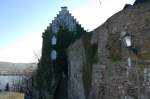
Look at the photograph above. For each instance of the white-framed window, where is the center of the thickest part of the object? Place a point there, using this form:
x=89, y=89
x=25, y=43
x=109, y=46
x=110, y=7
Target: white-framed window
x=53, y=55
x=53, y=40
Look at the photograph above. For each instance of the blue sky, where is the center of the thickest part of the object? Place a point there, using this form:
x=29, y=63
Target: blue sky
x=23, y=21
x=18, y=18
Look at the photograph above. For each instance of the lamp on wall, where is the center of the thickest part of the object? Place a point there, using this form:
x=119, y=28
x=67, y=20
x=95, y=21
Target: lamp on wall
x=127, y=40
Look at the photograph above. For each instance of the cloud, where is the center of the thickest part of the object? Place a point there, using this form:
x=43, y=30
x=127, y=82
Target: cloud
x=93, y=14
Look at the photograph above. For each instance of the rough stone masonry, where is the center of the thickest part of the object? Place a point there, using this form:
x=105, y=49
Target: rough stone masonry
x=109, y=73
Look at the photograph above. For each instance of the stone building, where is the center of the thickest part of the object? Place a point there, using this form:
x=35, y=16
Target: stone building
x=96, y=65
x=53, y=65
x=110, y=75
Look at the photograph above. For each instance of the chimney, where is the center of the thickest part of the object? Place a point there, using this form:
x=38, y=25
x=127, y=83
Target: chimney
x=64, y=8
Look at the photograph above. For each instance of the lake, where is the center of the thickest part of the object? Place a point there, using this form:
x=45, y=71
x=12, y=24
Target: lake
x=11, y=80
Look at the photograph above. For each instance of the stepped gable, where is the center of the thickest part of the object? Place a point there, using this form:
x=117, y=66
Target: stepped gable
x=63, y=19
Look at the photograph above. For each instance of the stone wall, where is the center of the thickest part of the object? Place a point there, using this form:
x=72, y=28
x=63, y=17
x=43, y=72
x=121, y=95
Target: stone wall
x=112, y=78
x=134, y=19
x=76, y=57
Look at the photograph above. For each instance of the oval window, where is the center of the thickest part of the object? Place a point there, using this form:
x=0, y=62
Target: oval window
x=53, y=55
x=54, y=40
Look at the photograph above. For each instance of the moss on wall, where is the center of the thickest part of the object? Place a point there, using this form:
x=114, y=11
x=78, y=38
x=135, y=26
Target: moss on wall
x=114, y=47
x=91, y=57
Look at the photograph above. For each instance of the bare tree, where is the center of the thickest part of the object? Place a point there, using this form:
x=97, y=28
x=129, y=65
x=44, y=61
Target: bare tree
x=37, y=55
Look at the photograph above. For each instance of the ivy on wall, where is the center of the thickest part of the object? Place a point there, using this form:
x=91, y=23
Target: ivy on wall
x=91, y=57
x=44, y=73
x=114, y=47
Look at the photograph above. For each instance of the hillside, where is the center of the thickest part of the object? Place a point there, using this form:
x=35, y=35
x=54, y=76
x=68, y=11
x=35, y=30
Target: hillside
x=16, y=67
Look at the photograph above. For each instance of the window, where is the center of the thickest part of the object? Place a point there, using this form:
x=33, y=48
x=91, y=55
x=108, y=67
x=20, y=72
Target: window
x=53, y=55
x=53, y=40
